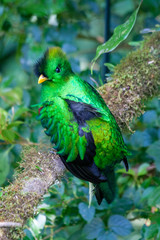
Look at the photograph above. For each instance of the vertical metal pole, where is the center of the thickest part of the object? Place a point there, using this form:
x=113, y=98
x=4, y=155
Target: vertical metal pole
x=106, y=36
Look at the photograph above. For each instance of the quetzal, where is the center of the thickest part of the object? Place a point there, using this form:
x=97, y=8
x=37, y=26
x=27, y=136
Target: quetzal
x=82, y=128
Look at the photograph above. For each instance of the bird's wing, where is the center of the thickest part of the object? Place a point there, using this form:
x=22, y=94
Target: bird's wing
x=72, y=137
x=110, y=147
x=65, y=122
x=60, y=125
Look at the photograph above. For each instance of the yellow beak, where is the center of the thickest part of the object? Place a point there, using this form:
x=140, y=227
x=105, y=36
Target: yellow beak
x=42, y=79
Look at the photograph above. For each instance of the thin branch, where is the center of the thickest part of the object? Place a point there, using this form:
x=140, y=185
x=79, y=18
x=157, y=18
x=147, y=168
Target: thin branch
x=10, y=224
x=98, y=39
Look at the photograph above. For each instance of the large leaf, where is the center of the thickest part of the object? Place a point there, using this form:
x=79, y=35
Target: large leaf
x=20, y=112
x=120, y=225
x=147, y=192
x=154, y=198
x=94, y=228
x=140, y=139
x=107, y=236
x=86, y=212
x=120, y=34
x=77, y=235
x=36, y=225
x=120, y=206
x=151, y=231
x=8, y=135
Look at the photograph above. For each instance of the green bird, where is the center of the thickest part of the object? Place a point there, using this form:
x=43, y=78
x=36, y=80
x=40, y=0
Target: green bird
x=82, y=128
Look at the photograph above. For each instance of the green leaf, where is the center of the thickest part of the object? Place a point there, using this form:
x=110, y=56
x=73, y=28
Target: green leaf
x=154, y=152
x=20, y=112
x=77, y=235
x=14, y=124
x=150, y=118
x=4, y=166
x=57, y=189
x=27, y=238
x=140, y=139
x=142, y=170
x=12, y=96
x=3, y=117
x=50, y=216
x=130, y=172
x=135, y=43
x=28, y=234
x=36, y=225
x=66, y=220
x=73, y=229
x=86, y=212
x=147, y=192
x=120, y=206
x=120, y=34
x=110, y=66
x=107, y=236
x=41, y=220
x=92, y=229
x=45, y=206
x=151, y=231
x=8, y=135
x=154, y=198
x=120, y=225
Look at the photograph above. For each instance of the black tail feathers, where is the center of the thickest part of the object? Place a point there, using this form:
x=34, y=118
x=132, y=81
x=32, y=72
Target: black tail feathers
x=125, y=163
x=106, y=189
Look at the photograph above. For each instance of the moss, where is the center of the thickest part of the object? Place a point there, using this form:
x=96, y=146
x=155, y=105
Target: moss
x=135, y=80
x=19, y=200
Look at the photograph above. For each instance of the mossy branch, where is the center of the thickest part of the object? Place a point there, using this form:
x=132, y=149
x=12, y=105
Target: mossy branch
x=37, y=171
x=135, y=80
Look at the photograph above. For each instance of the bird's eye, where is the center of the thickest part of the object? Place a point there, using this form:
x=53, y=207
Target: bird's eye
x=58, y=69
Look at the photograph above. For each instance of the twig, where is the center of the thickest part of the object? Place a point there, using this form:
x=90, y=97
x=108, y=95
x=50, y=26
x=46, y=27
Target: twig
x=98, y=39
x=9, y=224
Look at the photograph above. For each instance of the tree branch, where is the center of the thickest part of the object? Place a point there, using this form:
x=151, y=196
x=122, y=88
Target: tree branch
x=135, y=80
x=9, y=224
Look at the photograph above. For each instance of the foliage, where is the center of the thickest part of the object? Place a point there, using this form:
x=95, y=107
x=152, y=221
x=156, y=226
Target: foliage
x=121, y=32
x=26, y=30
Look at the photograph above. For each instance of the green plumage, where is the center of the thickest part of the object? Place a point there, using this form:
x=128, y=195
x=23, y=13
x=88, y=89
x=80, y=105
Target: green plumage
x=80, y=124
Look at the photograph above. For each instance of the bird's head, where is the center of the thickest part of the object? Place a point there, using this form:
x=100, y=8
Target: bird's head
x=53, y=66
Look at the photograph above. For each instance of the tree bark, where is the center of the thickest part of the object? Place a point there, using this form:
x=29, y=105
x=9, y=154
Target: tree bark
x=135, y=80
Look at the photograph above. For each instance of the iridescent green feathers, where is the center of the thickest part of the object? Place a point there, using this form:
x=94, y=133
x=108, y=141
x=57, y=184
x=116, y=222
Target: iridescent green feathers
x=81, y=126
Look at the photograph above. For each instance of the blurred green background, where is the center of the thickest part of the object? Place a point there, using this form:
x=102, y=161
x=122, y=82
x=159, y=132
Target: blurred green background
x=27, y=29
